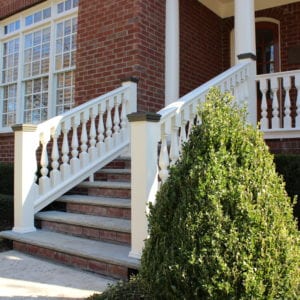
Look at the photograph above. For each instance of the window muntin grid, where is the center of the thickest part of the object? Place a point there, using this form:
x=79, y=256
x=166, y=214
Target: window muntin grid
x=9, y=105
x=65, y=92
x=66, y=5
x=36, y=100
x=28, y=53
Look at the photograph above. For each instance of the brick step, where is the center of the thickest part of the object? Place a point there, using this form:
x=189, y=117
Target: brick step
x=91, y=227
x=97, y=206
x=114, y=189
x=122, y=162
x=113, y=175
x=96, y=256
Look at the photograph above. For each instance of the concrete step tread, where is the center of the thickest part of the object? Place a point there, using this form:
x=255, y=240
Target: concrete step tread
x=96, y=200
x=105, y=184
x=112, y=224
x=89, y=249
x=114, y=171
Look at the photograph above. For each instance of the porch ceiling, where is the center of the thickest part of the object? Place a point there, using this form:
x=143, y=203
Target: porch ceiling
x=225, y=8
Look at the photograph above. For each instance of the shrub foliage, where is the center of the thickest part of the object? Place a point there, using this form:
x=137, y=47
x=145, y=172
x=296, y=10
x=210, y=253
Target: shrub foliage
x=222, y=226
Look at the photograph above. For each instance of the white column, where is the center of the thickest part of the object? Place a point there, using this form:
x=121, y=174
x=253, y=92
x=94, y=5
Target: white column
x=245, y=47
x=172, y=52
x=25, y=166
x=144, y=175
x=244, y=26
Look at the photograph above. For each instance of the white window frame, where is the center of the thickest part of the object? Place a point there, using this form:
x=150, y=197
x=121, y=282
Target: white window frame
x=20, y=33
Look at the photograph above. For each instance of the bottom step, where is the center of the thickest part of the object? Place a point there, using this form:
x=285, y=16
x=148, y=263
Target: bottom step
x=99, y=257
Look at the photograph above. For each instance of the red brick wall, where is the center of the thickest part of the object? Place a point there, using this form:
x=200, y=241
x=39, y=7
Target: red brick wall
x=6, y=147
x=200, y=45
x=10, y=7
x=118, y=40
x=286, y=146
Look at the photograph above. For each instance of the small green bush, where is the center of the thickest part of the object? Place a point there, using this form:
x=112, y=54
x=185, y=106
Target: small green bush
x=6, y=178
x=222, y=226
x=135, y=289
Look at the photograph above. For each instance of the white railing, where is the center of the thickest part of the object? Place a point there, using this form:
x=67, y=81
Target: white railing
x=151, y=161
x=279, y=104
x=69, y=148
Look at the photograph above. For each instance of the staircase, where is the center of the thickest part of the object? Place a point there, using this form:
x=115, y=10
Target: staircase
x=88, y=228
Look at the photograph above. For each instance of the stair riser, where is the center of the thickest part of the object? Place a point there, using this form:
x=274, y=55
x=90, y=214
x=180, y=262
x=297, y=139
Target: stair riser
x=112, y=177
x=102, y=211
x=102, y=268
x=87, y=232
x=105, y=192
x=119, y=164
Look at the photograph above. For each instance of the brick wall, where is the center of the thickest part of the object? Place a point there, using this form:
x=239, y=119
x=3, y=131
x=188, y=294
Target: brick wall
x=10, y=7
x=6, y=147
x=200, y=45
x=117, y=40
x=286, y=146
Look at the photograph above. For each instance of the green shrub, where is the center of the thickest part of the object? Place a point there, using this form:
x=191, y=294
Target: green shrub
x=135, y=289
x=222, y=226
x=6, y=178
x=288, y=165
x=6, y=212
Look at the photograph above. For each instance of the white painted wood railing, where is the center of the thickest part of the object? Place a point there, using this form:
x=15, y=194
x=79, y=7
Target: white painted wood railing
x=170, y=131
x=279, y=104
x=70, y=148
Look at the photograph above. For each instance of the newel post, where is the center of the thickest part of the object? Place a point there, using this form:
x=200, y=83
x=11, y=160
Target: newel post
x=25, y=167
x=144, y=174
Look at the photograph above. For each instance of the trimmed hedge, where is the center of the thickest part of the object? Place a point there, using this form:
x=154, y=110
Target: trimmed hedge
x=6, y=178
x=222, y=226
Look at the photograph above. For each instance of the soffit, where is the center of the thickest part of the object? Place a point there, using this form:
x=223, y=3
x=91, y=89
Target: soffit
x=225, y=8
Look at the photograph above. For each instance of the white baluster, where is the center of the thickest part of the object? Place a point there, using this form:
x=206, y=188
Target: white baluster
x=124, y=122
x=297, y=85
x=275, y=104
x=108, y=139
x=174, y=149
x=287, y=120
x=116, y=134
x=264, y=88
x=55, y=174
x=75, y=162
x=101, y=130
x=93, y=133
x=44, y=181
x=65, y=167
x=164, y=161
x=83, y=156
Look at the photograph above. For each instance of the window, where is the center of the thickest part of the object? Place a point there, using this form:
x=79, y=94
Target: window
x=37, y=61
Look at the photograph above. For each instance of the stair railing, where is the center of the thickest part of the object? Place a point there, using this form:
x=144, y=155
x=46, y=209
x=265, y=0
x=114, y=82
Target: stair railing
x=54, y=156
x=157, y=140
x=279, y=104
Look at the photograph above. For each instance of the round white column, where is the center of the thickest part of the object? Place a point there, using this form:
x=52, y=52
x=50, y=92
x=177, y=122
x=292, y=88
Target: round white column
x=244, y=26
x=172, y=52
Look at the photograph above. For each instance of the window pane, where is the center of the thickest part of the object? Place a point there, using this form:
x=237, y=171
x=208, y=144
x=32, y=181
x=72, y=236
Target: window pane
x=66, y=32
x=9, y=105
x=64, y=92
x=10, y=61
x=36, y=100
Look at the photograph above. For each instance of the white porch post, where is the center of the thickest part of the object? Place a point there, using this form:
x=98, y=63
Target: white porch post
x=172, y=52
x=245, y=47
x=144, y=174
x=25, y=166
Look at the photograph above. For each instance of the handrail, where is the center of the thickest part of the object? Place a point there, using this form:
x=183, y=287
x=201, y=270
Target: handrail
x=69, y=148
x=178, y=118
